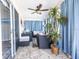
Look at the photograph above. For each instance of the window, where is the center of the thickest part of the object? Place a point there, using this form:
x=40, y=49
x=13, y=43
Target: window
x=33, y=25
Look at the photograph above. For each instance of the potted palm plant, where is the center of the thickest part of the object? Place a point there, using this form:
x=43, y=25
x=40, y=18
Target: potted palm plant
x=53, y=34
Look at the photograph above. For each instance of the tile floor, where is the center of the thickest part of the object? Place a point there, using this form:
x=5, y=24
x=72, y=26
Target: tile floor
x=35, y=53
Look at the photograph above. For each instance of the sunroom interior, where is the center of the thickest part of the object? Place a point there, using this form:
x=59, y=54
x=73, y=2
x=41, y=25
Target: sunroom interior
x=28, y=29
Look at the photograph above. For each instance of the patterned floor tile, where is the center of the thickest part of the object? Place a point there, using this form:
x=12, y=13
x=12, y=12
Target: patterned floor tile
x=35, y=53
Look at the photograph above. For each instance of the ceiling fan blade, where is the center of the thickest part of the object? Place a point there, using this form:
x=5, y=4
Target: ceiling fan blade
x=31, y=9
x=33, y=12
x=44, y=10
x=36, y=12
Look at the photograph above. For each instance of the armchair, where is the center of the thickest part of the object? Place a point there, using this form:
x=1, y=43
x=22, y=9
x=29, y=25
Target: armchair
x=43, y=42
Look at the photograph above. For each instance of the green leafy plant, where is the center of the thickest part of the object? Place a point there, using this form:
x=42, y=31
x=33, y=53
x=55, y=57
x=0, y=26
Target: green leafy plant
x=53, y=12
x=62, y=19
x=53, y=27
x=49, y=27
x=54, y=35
x=58, y=19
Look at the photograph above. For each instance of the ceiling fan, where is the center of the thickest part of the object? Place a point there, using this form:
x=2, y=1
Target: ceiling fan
x=38, y=9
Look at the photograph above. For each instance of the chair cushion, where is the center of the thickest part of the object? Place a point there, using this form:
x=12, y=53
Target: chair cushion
x=25, y=38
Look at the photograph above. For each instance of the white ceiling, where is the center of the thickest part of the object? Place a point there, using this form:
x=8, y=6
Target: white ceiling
x=23, y=5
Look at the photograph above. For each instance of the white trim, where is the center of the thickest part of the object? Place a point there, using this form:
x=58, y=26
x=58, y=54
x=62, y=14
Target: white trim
x=12, y=23
x=14, y=31
x=11, y=30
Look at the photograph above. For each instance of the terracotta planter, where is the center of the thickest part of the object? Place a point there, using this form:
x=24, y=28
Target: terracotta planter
x=54, y=49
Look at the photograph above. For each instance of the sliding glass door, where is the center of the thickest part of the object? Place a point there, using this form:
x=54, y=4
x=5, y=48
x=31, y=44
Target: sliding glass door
x=5, y=31
x=8, y=31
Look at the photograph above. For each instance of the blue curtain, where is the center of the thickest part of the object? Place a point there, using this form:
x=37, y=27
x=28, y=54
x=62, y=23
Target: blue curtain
x=70, y=25
x=39, y=26
x=27, y=25
x=76, y=26
x=34, y=25
x=64, y=28
x=70, y=39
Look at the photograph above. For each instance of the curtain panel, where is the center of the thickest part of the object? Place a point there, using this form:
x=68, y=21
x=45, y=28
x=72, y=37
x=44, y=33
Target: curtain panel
x=34, y=25
x=70, y=40
x=76, y=29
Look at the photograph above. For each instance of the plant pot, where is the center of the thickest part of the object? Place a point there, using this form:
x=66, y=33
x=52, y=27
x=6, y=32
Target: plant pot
x=54, y=49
